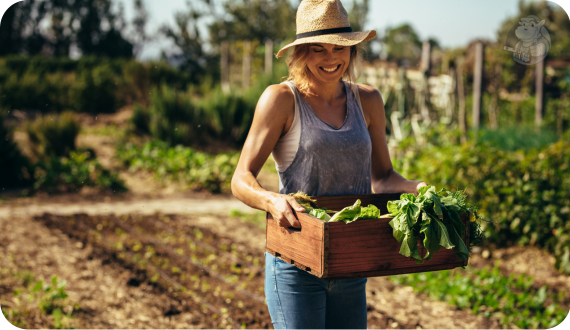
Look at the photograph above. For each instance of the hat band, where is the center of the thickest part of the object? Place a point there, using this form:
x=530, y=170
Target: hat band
x=325, y=31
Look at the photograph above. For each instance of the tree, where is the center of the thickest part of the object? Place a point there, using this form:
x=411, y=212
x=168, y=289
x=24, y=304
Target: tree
x=51, y=27
x=252, y=20
x=190, y=54
x=403, y=45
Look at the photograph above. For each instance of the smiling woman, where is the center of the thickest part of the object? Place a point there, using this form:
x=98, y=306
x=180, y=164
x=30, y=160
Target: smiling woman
x=328, y=137
x=299, y=70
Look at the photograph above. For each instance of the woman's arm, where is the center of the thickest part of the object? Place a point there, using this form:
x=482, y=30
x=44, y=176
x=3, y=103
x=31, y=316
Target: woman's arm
x=273, y=113
x=384, y=178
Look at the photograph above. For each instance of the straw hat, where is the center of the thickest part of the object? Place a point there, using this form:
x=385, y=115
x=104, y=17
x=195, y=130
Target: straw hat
x=325, y=21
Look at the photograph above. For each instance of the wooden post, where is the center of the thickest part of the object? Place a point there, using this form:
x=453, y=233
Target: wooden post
x=268, y=56
x=224, y=67
x=425, y=63
x=539, y=93
x=461, y=99
x=246, y=68
x=424, y=90
x=494, y=107
x=477, y=84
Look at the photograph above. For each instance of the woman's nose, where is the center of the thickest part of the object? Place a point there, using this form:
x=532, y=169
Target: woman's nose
x=330, y=57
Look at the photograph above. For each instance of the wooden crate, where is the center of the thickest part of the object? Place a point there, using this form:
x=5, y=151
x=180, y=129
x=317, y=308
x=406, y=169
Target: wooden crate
x=364, y=248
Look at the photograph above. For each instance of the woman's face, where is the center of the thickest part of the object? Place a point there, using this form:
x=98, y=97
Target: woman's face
x=328, y=62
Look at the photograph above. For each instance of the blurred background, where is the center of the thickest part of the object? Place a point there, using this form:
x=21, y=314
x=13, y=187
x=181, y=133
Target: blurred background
x=110, y=99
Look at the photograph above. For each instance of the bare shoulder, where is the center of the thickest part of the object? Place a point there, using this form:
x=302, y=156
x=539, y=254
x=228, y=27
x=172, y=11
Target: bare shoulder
x=369, y=94
x=277, y=99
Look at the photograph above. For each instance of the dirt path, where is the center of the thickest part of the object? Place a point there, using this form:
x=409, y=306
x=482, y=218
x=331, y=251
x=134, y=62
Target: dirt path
x=216, y=205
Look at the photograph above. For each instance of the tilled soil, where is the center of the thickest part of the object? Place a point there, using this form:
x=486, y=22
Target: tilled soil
x=117, y=291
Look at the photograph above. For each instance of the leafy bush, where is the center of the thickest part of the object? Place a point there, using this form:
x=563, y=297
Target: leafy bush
x=186, y=118
x=62, y=174
x=53, y=135
x=13, y=165
x=171, y=117
x=94, y=90
x=196, y=169
x=516, y=138
x=525, y=193
x=511, y=299
x=89, y=84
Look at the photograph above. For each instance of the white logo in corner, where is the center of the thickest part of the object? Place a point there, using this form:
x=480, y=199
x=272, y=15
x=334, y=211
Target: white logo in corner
x=529, y=42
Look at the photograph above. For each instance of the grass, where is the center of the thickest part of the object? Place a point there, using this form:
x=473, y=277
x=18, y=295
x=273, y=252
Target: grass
x=511, y=299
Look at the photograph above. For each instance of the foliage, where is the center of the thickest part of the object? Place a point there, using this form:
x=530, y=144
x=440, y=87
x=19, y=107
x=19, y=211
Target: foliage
x=512, y=299
x=35, y=300
x=439, y=226
x=185, y=118
x=274, y=20
x=525, y=193
x=95, y=27
x=62, y=174
x=89, y=84
x=52, y=135
x=197, y=170
x=13, y=165
x=517, y=138
x=403, y=45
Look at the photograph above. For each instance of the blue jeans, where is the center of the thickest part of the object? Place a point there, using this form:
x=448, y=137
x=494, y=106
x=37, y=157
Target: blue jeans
x=300, y=300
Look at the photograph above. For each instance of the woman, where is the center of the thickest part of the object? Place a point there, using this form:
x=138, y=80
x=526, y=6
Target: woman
x=327, y=136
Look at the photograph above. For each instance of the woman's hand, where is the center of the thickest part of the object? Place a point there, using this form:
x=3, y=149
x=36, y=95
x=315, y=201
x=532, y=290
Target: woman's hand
x=418, y=186
x=281, y=206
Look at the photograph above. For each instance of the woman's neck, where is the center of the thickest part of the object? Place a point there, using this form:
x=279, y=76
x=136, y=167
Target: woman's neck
x=328, y=92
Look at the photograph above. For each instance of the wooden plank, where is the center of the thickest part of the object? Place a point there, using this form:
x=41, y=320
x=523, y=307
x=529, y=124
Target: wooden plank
x=302, y=248
x=343, y=276
x=310, y=226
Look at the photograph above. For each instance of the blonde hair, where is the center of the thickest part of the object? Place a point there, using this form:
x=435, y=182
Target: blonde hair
x=299, y=73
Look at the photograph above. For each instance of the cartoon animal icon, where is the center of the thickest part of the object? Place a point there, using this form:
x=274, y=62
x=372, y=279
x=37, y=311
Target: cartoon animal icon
x=532, y=42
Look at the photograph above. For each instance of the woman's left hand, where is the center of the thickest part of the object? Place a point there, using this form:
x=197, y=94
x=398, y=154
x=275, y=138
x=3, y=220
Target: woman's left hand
x=418, y=186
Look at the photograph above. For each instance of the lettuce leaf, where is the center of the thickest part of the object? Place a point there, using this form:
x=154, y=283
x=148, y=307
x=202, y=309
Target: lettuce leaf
x=348, y=214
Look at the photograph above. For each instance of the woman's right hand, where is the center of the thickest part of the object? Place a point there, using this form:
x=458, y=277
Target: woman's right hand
x=281, y=208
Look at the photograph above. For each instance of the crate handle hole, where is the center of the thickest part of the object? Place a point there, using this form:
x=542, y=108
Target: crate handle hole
x=292, y=230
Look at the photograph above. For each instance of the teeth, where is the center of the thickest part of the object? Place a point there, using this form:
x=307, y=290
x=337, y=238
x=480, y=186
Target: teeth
x=331, y=69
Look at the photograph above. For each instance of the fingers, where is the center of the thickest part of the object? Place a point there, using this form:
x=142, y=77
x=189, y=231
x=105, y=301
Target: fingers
x=292, y=219
x=284, y=212
x=295, y=205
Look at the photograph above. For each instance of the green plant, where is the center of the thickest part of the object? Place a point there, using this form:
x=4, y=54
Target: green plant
x=13, y=166
x=516, y=138
x=525, y=193
x=197, y=170
x=60, y=174
x=52, y=135
x=44, y=304
x=512, y=299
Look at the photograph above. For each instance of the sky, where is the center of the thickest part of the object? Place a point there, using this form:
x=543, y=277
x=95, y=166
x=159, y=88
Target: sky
x=452, y=22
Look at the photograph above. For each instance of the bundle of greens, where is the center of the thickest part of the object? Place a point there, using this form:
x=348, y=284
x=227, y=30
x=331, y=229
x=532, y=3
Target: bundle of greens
x=348, y=214
x=433, y=216
x=310, y=206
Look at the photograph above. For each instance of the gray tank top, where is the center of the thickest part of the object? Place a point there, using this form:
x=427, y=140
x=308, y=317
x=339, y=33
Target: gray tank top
x=330, y=161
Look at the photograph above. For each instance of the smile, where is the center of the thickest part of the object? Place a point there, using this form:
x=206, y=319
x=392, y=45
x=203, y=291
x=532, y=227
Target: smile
x=331, y=69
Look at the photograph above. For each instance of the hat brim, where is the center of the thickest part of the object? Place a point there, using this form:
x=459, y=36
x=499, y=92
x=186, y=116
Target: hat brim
x=342, y=39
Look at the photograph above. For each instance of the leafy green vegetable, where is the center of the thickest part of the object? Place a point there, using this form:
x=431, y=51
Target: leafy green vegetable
x=348, y=214
x=439, y=225
x=369, y=212
x=320, y=214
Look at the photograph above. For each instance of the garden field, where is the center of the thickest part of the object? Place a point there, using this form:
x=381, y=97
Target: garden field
x=160, y=255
